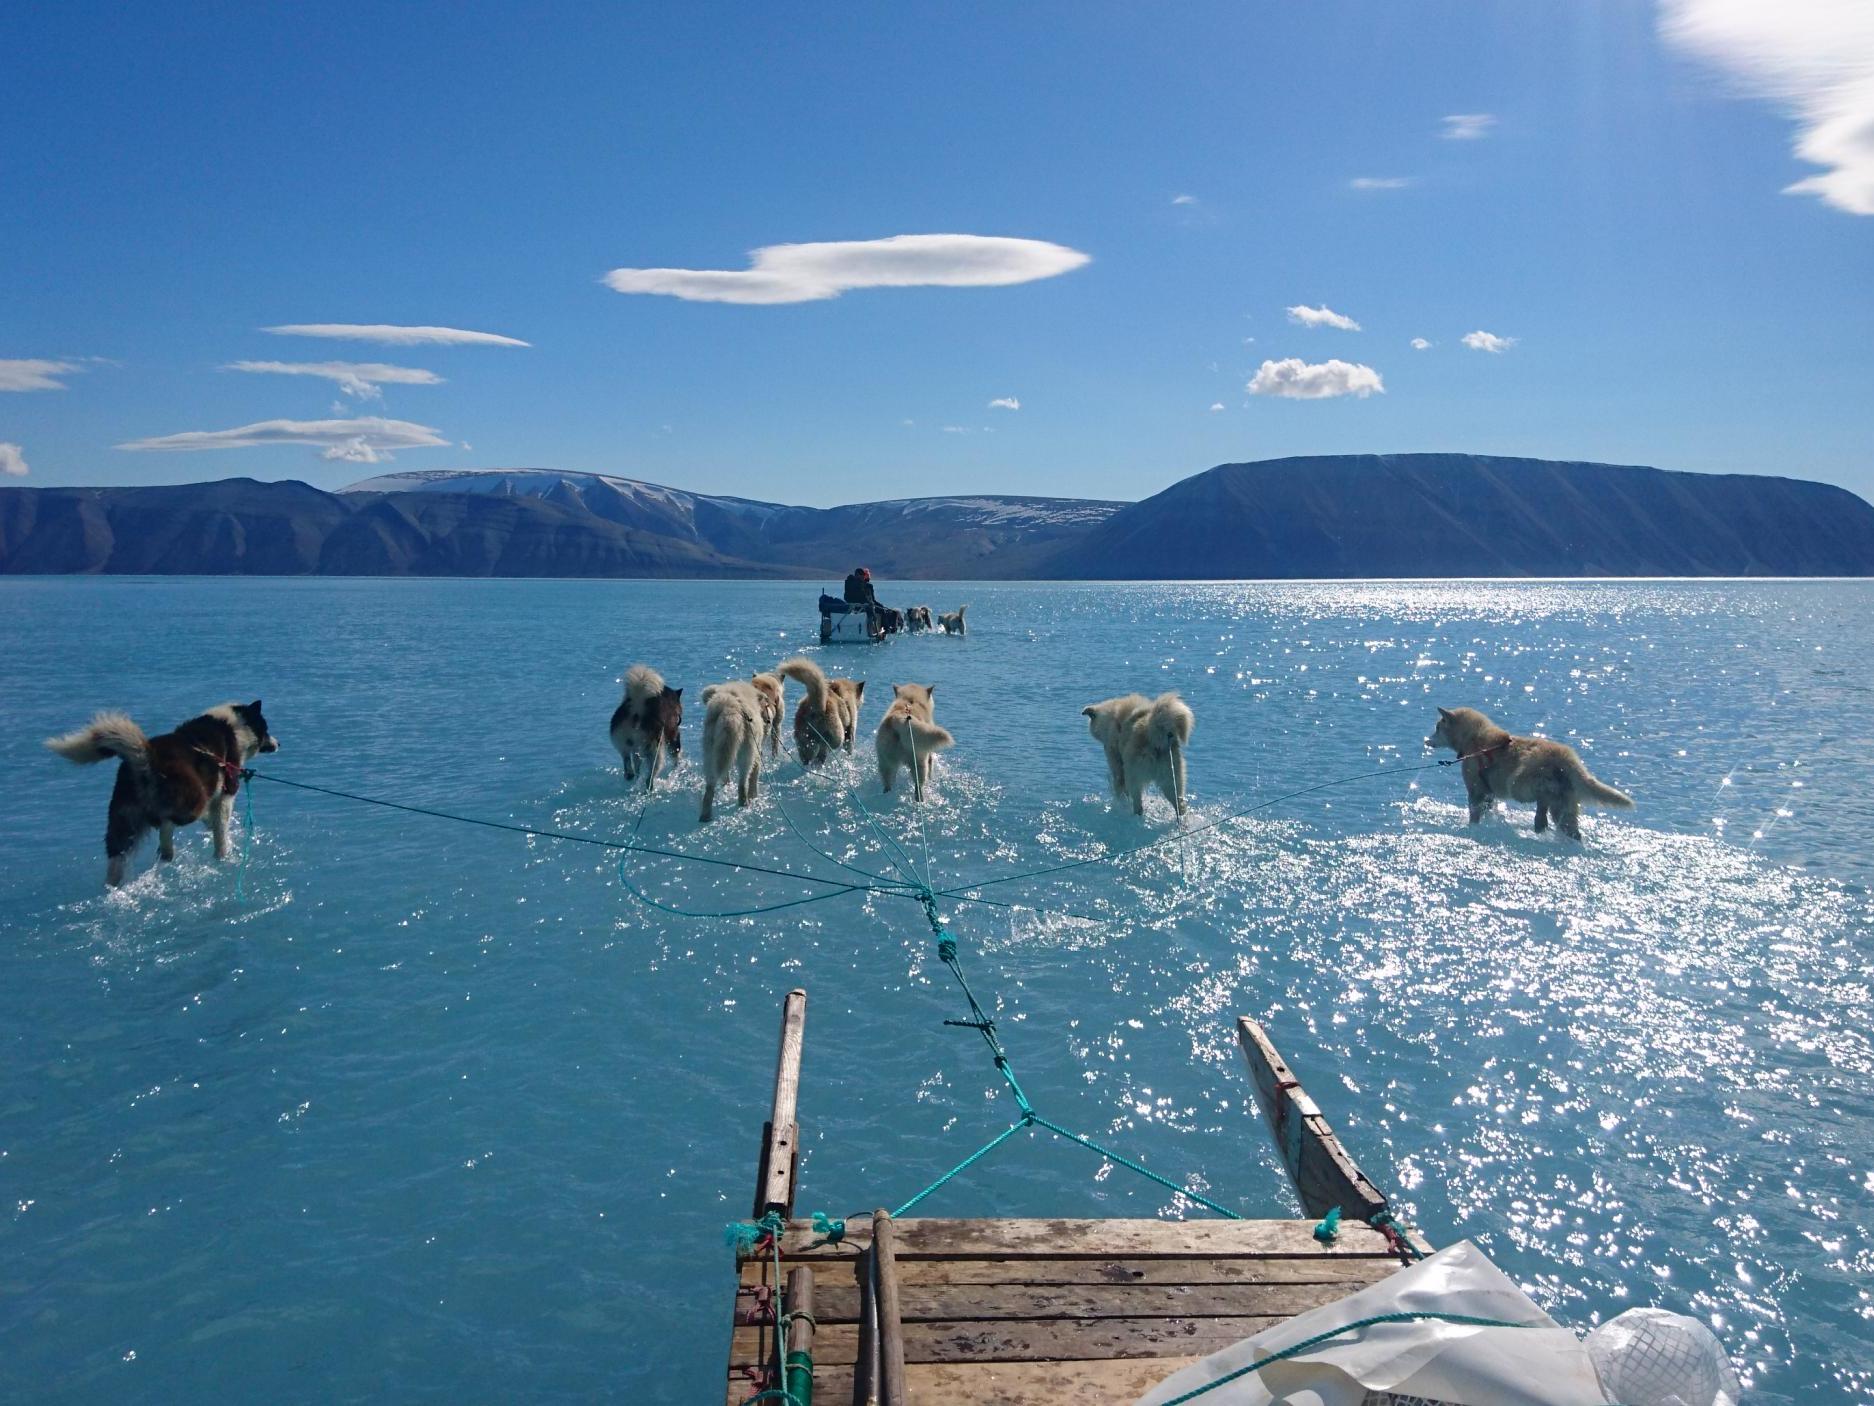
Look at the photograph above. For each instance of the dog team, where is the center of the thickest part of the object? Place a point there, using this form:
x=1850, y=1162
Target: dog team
x=194, y=772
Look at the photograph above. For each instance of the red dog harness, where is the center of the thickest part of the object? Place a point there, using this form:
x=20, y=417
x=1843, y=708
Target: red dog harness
x=231, y=772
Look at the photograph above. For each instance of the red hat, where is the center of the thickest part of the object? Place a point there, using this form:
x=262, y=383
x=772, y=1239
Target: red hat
x=864, y=575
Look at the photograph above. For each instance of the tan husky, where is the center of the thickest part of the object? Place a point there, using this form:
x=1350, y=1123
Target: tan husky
x=731, y=742
x=1145, y=740
x=1499, y=767
x=773, y=709
x=908, y=737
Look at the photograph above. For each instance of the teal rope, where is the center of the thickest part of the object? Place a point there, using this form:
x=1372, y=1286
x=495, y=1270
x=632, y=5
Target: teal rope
x=247, y=842
x=965, y=1164
x=1145, y=1172
x=1462, y=1319
x=572, y=838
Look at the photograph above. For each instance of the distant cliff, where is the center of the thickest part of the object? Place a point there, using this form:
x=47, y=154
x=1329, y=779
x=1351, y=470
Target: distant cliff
x=1442, y=515
x=1339, y=516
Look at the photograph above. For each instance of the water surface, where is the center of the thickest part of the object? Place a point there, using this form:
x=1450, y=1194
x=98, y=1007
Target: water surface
x=439, y=1111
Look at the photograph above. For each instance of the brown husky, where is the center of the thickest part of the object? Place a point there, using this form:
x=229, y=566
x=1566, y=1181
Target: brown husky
x=828, y=716
x=1499, y=767
x=175, y=779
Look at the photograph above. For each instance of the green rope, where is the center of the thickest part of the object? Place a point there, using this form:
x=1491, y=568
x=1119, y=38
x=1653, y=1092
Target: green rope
x=1145, y=1172
x=1461, y=1319
x=247, y=840
x=976, y=1156
x=572, y=838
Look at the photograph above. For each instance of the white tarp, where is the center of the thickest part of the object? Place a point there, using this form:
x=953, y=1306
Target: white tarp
x=1537, y=1364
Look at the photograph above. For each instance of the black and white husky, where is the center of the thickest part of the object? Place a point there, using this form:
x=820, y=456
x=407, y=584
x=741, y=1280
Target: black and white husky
x=173, y=779
x=647, y=723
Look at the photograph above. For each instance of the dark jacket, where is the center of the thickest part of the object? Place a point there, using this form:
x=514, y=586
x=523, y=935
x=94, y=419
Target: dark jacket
x=859, y=590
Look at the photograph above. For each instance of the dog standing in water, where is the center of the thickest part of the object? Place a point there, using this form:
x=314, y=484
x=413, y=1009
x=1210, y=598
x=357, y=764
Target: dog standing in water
x=1498, y=766
x=951, y=622
x=732, y=731
x=907, y=737
x=1144, y=740
x=773, y=708
x=647, y=723
x=828, y=716
x=170, y=780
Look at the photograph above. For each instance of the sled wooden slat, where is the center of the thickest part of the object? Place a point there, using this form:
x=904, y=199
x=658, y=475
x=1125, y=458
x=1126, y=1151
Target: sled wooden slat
x=1022, y=1312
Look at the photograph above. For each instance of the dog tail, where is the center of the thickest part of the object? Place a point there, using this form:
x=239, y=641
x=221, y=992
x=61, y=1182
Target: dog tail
x=1169, y=723
x=642, y=681
x=108, y=735
x=805, y=672
x=1593, y=789
x=925, y=737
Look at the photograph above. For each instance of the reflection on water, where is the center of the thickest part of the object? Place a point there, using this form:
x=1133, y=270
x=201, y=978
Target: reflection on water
x=453, y=1100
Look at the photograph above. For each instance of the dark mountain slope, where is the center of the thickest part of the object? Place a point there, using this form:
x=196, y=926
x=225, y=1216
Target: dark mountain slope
x=1464, y=515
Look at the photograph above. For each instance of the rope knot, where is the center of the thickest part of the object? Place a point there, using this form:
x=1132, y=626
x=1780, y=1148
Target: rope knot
x=831, y=1227
x=946, y=949
x=743, y=1235
x=1328, y=1231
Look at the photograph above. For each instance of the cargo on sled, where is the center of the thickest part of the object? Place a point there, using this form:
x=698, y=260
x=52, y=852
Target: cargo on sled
x=847, y=622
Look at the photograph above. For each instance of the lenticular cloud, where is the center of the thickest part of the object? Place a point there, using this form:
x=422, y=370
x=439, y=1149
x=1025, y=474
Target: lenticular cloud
x=1295, y=379
x=803, y=273
x=367, y=440
x=1816, y=57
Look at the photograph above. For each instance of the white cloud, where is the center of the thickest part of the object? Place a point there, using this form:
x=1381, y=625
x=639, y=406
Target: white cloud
x=358, y=379
x=362, y=441
x=1419, y=344
x=36, y=375
x=1295, y=379
x=1815, y=58
x=12, y=461
x=1216, y=406
x=1468, y=126
x=1380, y=182
x=1184, y=200
x=1322, y=316
x=394, y=336
x=802, y=273
x=1005, y=402
x=956, y=429
x=1487, y=341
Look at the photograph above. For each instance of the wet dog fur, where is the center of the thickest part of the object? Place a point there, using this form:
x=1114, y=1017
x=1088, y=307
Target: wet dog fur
x=773, y=708
x=908, y=737
x=173, y=779
x=952, y=622
x=1144, y=741
x=1500, y=767
x=732, y=735
x=647, y=724
x=828, y=716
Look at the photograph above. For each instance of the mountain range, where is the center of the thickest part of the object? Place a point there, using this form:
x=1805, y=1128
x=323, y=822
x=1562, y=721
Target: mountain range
x=1406, y=515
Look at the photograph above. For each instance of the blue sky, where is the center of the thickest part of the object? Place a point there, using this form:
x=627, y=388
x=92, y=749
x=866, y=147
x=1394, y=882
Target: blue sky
x=178, y=178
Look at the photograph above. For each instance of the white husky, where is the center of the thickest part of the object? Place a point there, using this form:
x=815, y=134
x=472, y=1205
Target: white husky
x=732, y=729
x=907, y=737
x=1144, y=740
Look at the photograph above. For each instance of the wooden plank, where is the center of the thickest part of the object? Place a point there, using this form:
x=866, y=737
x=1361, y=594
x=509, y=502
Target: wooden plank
x=1319, y=1269
x=1112, y=1383
x=798, y=1361
x=939, y=1303
x=1325, y=1176
x=779, y=1167
x=891, y=1344
x=1091, y=1239
x=1018, y=1340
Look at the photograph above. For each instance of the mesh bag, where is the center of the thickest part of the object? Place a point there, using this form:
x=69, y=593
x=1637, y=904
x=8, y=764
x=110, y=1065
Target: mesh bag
x=1649, y=1357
